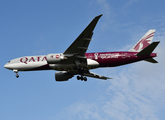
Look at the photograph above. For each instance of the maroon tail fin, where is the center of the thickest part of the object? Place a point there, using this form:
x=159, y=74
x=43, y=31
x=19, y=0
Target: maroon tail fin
x=143, y=42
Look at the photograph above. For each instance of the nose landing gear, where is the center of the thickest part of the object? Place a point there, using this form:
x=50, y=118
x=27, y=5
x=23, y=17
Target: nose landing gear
x=16, y=71
x=17, y=76
x=81, y=78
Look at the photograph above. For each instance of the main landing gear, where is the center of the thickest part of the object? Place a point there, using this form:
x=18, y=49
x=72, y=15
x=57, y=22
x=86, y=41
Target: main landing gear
x=81, y=78
x=80, y=70
x=16, y=71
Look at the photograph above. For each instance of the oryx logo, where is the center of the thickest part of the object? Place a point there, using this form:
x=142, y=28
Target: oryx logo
x=96, y=55
x=144, y=42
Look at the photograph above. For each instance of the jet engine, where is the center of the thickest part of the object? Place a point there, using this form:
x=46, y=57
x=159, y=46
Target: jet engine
x=62, y=76
x=54, y=58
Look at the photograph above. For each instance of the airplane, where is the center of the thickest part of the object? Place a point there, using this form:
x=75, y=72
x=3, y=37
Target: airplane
x=75, y=61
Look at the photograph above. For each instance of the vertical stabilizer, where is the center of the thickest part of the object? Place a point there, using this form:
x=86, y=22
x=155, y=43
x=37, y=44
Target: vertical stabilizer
x=144, y=41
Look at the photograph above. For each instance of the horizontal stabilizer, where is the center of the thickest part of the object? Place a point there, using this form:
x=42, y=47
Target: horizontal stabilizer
x=151, y=60
x=149, y=49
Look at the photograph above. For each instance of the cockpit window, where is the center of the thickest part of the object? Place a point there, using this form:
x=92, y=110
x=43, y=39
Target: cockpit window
x=9, y=61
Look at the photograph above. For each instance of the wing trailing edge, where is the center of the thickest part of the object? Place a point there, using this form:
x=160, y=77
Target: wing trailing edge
x=94, y=75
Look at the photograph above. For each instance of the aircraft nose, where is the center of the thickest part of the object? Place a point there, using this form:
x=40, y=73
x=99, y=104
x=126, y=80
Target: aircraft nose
x=7, y=66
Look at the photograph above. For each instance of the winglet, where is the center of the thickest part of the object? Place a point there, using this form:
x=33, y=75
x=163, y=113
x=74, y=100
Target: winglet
x=98, y=16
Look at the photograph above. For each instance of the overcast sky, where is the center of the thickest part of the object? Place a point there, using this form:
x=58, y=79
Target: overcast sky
x=40, y=27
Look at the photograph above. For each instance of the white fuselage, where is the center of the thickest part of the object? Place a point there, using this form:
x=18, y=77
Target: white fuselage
x=29, y=63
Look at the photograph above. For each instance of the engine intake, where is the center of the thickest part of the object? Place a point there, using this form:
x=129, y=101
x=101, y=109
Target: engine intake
x=62, y=76
x=54, y=58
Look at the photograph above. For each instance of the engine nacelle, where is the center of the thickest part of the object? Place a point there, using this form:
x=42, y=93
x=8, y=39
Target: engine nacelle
x=54, y=58
x=62, y=76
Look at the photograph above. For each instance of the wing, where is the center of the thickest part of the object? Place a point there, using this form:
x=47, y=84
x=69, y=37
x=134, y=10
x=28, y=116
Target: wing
x=75, y=53
x=94, y=75
x=80, y=45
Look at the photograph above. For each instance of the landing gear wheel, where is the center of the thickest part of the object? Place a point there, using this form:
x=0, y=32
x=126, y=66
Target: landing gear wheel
x=16, y=71
x=78, y=77
x=85, y=79
x=81, y=78
x=17, y=76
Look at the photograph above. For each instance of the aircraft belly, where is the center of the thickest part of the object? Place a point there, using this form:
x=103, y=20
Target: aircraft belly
x=62, y=67
x=91, y=64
